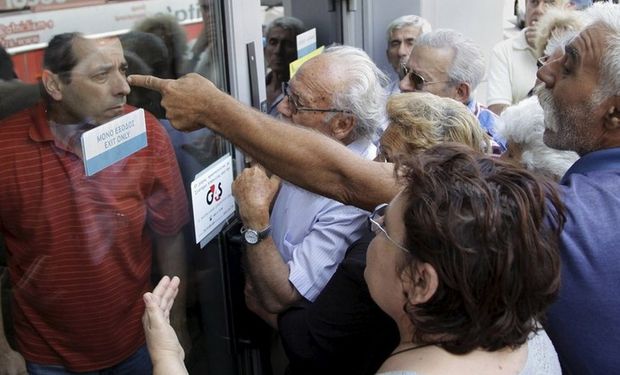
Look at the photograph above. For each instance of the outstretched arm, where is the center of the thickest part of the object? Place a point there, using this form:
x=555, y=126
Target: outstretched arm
x=301, y=156
x=163, y=345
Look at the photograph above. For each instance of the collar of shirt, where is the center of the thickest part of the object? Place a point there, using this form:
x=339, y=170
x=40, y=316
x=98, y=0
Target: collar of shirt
x=520, y=42
x=600, y=160
x=65, y=137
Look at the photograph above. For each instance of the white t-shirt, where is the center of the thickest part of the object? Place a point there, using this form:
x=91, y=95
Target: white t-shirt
x=512, y=71
x=541, y=358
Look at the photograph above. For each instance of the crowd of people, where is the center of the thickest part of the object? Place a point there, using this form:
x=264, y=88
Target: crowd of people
x=391, y=230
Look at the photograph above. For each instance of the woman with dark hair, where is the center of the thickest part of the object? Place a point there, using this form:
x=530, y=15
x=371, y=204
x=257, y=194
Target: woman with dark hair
x=465, y=263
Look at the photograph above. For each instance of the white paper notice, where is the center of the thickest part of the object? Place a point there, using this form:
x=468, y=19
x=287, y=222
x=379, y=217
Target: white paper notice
x=113, y=141
x=212, y=198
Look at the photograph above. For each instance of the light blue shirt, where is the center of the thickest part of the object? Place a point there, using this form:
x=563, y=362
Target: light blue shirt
x=488, y=121
x=312, y=232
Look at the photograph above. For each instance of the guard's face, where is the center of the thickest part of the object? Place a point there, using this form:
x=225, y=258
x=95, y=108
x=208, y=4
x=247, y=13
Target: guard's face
x=98, y=87
x=281, y=49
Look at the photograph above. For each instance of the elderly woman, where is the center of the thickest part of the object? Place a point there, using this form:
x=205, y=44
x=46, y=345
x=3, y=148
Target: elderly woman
x=419, y=120
x=465, y=288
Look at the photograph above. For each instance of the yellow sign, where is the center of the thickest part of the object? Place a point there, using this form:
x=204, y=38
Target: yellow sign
x=295, y=65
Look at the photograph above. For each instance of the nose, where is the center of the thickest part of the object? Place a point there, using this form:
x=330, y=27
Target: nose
x=120, y=86
x=284, y=107
x=539, y=10
x=405, y=84
x=403, y=50
x=279, y=48
x=546, y=73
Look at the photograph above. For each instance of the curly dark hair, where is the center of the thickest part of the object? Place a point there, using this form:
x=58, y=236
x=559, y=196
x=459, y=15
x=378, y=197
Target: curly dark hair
x=491, y=232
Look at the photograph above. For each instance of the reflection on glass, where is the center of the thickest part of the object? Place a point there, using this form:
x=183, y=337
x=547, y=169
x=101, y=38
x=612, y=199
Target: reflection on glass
x=81, y=250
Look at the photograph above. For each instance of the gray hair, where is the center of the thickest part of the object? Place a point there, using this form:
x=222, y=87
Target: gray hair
x=469, y=64
x=363, y=90
x=406, y=21
x=556, y=21
x=287, y=23
x=524, y=124
x=559, y=41
x=609, y=15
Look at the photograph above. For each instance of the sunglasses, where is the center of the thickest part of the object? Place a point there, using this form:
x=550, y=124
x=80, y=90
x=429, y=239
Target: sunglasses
x=417, y=81
x=375, y=220
x=293, y=101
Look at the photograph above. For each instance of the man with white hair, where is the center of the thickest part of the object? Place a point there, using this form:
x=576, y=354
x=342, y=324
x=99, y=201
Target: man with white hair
x=340, y=94
x=446, y=63
x=401, y=36
x=581, y=99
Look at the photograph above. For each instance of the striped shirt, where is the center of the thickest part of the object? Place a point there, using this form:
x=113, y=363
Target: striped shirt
x=79, y=247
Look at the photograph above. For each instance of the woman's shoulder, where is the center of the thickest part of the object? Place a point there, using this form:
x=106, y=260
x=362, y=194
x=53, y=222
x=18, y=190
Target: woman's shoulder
x=541, y=357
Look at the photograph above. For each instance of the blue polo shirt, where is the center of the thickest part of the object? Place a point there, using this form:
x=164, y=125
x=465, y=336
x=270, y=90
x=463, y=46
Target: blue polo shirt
x=584, y=323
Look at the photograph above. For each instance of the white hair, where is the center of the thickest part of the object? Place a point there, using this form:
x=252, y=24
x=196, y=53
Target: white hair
x=559, y=41
x=609, y=15
x=406, y=21
x=555, y=22
x=286, y=23
x=468, y=65
x=524, y=123
x=362, y=90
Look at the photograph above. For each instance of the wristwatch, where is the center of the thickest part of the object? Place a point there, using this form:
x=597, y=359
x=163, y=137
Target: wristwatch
x=253, y=236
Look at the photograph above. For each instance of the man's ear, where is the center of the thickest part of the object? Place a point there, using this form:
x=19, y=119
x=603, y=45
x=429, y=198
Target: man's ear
x=342, y=127
x=422, y=284
x=52, y=84
x=462, y=92
x=611, y=118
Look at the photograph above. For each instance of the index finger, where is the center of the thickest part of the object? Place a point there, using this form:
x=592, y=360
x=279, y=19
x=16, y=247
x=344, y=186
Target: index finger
x=149, y=82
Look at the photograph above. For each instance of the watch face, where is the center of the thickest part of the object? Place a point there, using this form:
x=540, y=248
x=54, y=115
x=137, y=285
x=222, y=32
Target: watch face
x=251, y=236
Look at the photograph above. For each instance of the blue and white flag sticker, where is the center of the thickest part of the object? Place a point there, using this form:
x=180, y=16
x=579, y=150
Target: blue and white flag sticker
x=113, y=141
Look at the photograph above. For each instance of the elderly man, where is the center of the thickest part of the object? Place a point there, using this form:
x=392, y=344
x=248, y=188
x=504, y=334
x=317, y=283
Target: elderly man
x=581, y=99
x=447, y=64
x=401, y=36
x=293, y=252
x=80, y=247
x=512, y=68
x=280, y=50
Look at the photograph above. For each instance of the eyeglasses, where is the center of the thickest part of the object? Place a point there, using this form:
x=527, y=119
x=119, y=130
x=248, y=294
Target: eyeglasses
x=541, y=61
x=295, y=107
x=417, y=81
x=375, y=226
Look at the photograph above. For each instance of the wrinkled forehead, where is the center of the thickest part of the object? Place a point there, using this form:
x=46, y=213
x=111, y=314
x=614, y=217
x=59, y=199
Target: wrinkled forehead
x=405, y=32
x=91, y=52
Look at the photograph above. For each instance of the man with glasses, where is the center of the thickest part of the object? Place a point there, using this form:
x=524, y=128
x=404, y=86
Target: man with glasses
x=447, y=64
x=292, y=253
